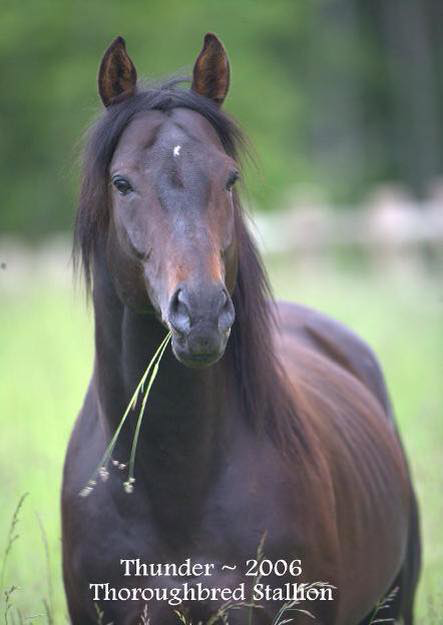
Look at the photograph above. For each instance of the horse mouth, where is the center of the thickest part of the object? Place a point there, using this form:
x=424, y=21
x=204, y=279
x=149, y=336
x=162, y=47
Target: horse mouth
x=199, y=351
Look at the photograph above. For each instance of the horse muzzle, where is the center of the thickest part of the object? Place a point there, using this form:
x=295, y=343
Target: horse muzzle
x=201, y=322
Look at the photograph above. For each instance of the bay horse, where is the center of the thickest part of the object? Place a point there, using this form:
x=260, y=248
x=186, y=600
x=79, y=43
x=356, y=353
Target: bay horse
x=268, y=425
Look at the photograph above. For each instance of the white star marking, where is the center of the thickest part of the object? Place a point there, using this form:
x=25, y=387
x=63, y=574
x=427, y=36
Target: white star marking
x=176, y=150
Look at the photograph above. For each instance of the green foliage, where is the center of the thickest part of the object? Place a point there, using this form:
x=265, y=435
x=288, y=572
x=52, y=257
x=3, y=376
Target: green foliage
x=49, y=55
x=310, y=85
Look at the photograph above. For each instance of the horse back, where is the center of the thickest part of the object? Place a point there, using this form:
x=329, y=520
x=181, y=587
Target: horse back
x=340, y=394
x=336, y=342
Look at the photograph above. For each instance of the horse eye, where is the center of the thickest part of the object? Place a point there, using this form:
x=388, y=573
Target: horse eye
x=122, y=185
x=233, y=177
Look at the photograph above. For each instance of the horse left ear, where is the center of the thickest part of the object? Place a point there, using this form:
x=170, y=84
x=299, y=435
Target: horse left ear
x=117, y=76
x=211, y=70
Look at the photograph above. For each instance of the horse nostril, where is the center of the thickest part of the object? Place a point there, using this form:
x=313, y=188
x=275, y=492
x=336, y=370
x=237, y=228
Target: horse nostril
x=224, y=298
x=226, y=313
x=200, y=310
x=178, y=314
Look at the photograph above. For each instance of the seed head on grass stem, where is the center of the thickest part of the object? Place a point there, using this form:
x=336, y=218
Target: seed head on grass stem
x=101, y=469
x=12, y=537
x=384, y=604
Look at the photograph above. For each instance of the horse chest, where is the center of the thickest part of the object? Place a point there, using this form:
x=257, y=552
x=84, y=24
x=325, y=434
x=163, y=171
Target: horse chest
x=219, y=559
x=249, y=503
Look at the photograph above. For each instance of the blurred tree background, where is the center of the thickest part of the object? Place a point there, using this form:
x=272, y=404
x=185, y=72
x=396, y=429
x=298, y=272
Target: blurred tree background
x=338, y=94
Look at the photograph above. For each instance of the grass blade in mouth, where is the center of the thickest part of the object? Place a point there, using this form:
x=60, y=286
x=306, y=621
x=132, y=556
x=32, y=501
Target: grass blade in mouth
x=129, y=485
x=101, y=469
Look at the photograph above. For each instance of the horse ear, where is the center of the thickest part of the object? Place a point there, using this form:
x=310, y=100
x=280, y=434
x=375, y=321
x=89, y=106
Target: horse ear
x=211, y=70
x=117, y=76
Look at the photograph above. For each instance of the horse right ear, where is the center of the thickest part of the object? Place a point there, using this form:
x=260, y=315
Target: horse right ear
x=117, y=76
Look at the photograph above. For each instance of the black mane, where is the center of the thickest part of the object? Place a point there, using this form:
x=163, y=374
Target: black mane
x=266, y=403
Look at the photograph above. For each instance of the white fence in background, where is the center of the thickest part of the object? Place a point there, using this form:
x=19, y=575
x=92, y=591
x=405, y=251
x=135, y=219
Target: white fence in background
x=390, y=223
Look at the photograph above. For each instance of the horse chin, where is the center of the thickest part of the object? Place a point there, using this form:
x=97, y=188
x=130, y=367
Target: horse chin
x=196, y=359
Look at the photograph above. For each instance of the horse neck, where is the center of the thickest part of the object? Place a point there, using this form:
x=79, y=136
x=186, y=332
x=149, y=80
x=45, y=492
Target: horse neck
x=187, y=415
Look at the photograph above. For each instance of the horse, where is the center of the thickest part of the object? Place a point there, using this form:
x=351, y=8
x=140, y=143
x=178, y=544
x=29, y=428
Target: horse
x=268, y=437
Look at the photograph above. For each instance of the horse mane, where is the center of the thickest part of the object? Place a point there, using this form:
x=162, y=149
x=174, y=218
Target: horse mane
x=263, y=394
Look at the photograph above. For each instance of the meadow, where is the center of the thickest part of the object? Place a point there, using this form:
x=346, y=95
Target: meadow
x=46, y=359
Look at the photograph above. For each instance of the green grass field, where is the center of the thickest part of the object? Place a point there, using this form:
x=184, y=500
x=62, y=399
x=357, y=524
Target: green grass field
x=46, y=359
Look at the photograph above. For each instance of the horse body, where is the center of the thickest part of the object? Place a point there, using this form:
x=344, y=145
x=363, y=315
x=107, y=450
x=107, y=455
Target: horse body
x=282, y=435
x=207, y=489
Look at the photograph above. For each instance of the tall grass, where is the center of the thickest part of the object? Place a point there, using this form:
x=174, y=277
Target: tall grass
x=10, y=593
